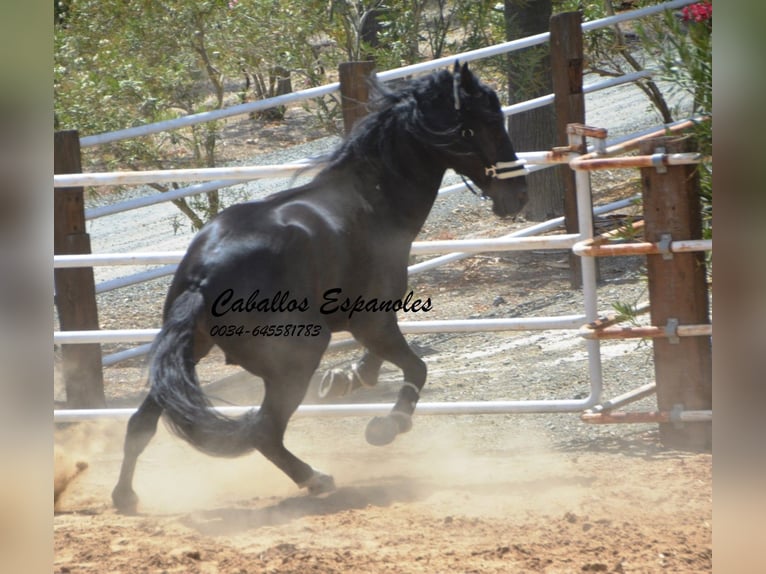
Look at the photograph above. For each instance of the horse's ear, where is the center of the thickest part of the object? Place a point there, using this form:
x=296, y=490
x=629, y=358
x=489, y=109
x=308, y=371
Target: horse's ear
x=462, y=78
x=467, y=79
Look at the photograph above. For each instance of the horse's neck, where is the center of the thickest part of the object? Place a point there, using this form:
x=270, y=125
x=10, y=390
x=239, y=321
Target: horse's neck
x=411, y=196
x=405, y=185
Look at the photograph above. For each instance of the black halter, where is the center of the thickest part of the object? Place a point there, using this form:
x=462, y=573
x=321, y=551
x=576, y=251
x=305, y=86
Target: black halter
x=499, y=170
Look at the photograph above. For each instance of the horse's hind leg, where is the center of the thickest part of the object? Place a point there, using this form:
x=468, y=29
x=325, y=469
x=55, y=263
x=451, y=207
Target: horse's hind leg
x=141, y=428
x=285, y=388
x=340, y=382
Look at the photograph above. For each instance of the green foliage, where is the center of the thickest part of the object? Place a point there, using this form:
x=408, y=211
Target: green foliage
x=629, y=312
x=121, y=64
x=682, y=44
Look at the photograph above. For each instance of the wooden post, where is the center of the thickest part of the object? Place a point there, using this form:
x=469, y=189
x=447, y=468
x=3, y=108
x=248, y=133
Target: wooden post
x=678, y=292
x=354, y=91
x=75, y=288
x=569, y=105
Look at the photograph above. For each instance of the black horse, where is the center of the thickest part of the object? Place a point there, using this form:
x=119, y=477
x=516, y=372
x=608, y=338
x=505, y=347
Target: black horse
x=269, y=281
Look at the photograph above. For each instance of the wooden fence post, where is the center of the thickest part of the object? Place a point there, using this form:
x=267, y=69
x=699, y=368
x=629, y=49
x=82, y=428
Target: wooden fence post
x=75, y=288
x=569, y=104
x=678, y=293
x=354, y=91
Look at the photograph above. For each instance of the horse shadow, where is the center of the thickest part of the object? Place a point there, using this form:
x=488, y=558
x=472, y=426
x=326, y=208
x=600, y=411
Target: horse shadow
x=232, y=520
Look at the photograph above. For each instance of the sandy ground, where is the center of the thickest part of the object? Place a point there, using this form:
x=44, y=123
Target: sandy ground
x=456, y=494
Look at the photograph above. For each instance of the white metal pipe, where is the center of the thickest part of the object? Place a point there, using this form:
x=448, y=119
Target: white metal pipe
x=210, y=116
x=500, y=324
x=585, y=222
x=537, y=228
x=418, y=248
x=588, y=274
x=104, y=336
x=141, y=350
x=156, y=198
x=548, y=99
x=111, y=259
x=134, y=279
x=114, y=358
x=221, y=175
x=367, y=409
x=237, y=173
x=450, y=189
x=527, y=105
x=634, y=14
x=531, y=158
x=617, y=81
x=328, y=89
x=500, y=244
x=440, y=326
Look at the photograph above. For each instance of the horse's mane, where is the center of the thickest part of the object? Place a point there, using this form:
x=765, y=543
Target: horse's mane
x=396, y=116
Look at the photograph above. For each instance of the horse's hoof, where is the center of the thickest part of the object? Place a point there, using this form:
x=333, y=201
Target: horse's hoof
x=381, y=430
x=335, y=383
x=403, y=420
x=125, y=501
x=319, y=483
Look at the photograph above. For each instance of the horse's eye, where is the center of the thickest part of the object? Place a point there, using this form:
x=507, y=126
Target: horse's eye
x=467, y=133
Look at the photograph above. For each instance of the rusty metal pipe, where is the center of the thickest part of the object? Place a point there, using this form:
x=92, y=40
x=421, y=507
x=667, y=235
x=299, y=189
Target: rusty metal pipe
x=589, y=248
x=654, y=160
x=648, y=332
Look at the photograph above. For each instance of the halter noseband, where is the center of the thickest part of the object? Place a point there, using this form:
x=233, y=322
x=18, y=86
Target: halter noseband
x=507, y=169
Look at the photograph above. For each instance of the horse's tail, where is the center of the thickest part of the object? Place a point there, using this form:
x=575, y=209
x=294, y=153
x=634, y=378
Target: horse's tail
x=176, y=388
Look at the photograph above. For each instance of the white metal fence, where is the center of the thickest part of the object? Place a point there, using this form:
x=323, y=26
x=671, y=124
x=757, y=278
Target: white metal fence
x=216, y=178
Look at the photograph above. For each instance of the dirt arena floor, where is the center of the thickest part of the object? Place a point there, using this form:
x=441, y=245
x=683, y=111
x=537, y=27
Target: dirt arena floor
x=456, y=494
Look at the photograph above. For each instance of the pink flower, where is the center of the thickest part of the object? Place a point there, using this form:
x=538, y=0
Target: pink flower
x=698, y=12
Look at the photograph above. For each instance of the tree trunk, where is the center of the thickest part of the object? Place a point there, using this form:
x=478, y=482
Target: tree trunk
x=529, y=77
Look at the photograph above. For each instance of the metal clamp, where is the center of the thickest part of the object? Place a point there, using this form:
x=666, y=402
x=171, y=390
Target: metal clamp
x=663, y=246
x=658, y=160
x=671, y=331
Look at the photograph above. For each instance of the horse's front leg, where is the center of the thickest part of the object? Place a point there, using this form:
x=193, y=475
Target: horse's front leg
x=341, y=382
x=387, y=342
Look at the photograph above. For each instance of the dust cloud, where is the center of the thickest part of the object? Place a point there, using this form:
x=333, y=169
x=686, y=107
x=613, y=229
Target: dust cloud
x=461, y=466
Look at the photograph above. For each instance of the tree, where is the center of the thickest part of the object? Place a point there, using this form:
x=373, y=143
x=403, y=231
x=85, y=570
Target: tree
x=120, y=64
x=529, y=77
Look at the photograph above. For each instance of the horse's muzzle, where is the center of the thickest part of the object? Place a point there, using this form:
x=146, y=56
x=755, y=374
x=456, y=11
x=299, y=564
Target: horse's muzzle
x=508, y=196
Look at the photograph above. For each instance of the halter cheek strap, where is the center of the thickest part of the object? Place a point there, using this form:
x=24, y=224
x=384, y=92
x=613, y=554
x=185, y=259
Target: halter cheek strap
x=456, y=89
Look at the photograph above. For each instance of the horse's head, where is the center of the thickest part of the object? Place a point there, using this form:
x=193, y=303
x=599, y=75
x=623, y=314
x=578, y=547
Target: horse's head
x=479, y=147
